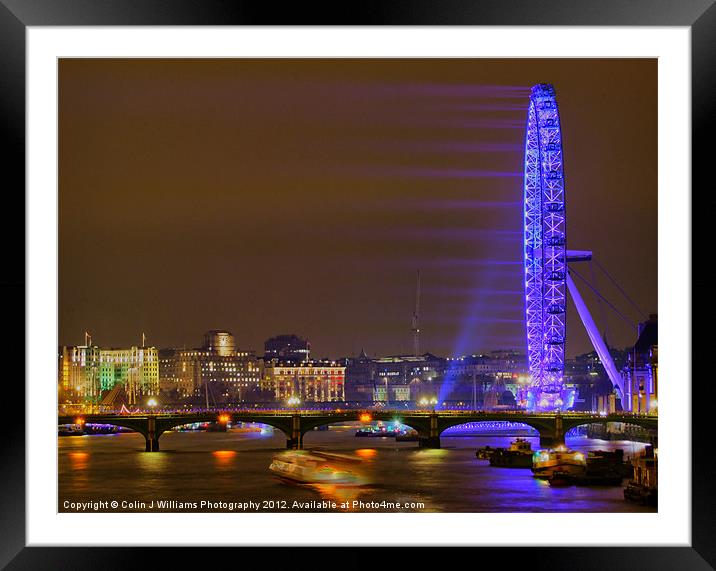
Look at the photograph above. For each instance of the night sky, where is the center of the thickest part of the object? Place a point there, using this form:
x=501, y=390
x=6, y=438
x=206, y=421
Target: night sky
x=301, y=195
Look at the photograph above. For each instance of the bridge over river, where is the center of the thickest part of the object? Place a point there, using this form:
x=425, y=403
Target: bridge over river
x=295, y=423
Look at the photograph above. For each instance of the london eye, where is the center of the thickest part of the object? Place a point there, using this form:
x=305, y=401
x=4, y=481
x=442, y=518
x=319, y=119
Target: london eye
x=545, y=260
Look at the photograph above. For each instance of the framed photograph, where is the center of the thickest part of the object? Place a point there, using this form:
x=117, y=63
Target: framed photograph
x=393, y=279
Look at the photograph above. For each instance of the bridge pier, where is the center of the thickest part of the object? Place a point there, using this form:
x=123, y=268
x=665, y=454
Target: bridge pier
x=295, y=441
x=554, y=436
x=549, y=441
x=432, y=440
x=429, y=442
x=151, y=444
x=151, y=437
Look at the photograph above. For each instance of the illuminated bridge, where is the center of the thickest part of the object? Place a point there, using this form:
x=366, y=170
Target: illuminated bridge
x=295, y=423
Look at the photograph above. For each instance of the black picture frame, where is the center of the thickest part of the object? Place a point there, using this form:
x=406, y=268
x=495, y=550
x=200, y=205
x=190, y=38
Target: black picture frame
x=17, y=15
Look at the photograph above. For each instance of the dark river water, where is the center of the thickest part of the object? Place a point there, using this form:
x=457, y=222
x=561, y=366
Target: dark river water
x=227, y=469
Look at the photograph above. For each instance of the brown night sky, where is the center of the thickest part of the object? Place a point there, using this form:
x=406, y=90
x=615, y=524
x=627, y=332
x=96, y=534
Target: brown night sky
x=300, y=196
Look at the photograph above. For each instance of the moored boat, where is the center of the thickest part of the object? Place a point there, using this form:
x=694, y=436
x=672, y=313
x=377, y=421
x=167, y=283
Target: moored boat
x=485, y=452
x=518, y=455
x=643, y=487
x=70, y=430
x=407, y=436
x=558, y=460
x=560, y=479
x=377, y=431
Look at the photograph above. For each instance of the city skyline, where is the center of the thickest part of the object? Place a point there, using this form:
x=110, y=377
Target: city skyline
x=179, y=216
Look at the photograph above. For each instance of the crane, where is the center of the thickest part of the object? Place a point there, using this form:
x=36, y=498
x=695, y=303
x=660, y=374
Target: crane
x=416, y=322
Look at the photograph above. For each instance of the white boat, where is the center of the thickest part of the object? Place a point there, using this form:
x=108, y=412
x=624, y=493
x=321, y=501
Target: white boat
x=317, y=467
x=560, y=460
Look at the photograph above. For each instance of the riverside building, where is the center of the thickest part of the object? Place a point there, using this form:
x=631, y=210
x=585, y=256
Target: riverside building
x=216, y=373
x=309, y=381
x=87, y=372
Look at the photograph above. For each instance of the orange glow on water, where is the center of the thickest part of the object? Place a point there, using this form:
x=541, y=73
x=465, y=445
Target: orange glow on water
x=78, y=460
x=366, y=452
x=223, y=456
x=365, y=417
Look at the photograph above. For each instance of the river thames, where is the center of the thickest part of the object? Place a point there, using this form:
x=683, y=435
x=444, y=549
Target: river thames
x=229, y=468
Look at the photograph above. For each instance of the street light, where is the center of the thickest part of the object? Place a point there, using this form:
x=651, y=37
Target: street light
x=294, y=401
x=152, y=402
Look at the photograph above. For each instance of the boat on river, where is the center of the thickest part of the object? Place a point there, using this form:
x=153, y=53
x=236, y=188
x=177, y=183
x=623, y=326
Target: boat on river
x=410, y=435
x=70, y=430
x=377, y=431
x=485, y=452
x=559, y=460
x=518, y=455
x=643, y=487
x=318, y=467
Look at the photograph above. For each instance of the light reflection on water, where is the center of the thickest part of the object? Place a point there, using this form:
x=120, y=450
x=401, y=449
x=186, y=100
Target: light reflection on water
x=340, y=494
x=224, y=457
x=234, y=467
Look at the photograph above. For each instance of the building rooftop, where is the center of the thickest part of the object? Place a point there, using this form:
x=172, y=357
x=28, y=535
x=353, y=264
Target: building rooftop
x=648, y=336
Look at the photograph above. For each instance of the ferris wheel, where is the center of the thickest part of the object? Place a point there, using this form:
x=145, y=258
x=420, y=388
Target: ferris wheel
x=547, y=276
x=545, y=249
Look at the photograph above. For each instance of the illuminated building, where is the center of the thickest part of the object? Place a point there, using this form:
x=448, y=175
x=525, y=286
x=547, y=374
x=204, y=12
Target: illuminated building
x=488, y=380
x=287, y=348
x=360, y=383
x=641, y=378
x=395, y=378
x=220, y=342
x=310, y=381
x=86, y=372
x=216, y=372
x=587, y=377
x=407, y=377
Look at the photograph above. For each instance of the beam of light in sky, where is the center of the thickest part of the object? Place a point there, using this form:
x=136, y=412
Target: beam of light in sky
x=450, y=204
x=462, y=291
x=476, y=147
x=432, y=90
x=418, y=172
x=432, y=234
x=516, y=107
x=475, y=123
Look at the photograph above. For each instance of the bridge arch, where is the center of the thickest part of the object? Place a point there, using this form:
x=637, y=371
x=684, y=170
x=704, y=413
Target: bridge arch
x=647, y=423
x=309, y=423
x=137, y=424
x=537, y=425
x=522, y=425
x=152, y=427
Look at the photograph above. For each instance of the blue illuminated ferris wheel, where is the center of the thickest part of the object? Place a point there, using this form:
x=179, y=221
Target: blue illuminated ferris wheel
x=547, y=260
x=545, y=250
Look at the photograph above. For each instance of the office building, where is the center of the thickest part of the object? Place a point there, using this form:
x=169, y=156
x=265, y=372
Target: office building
x=641, y=373
x=287, y=348
x=215, y=373
x=88, y=372
x=310, y=381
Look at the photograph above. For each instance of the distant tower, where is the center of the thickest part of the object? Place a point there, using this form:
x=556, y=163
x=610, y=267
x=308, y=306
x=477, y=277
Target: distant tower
x=416, y=321
x=220, y=342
